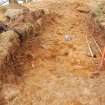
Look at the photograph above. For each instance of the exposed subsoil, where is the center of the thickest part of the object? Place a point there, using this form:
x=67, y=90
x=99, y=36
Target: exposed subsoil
x=55, y=67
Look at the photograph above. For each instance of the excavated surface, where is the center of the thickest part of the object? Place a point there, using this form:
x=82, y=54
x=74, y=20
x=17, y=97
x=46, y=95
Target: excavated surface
x=55, y=67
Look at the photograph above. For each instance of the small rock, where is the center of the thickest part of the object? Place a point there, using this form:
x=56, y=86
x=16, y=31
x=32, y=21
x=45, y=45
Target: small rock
x=83, y=9
x=13, y=13
x=33, y=65
x=102, y=24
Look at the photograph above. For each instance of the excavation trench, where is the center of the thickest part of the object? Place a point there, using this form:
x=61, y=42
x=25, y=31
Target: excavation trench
x=13, y=38
x=54, y=66
x=20, y=43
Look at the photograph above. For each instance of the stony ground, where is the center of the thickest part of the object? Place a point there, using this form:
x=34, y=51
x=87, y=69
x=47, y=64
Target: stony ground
x=55, y=68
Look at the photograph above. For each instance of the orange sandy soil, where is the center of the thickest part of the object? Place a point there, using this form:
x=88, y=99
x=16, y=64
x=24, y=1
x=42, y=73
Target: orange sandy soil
x=55, y=71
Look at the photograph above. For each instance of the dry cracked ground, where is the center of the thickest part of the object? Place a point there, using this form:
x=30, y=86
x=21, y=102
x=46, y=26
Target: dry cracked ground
x=56, y=65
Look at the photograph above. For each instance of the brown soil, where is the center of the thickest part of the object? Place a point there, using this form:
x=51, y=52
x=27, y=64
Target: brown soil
x=55, y=67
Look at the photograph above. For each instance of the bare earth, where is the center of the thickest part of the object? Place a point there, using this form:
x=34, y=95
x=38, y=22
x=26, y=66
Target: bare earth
x=60, y=67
